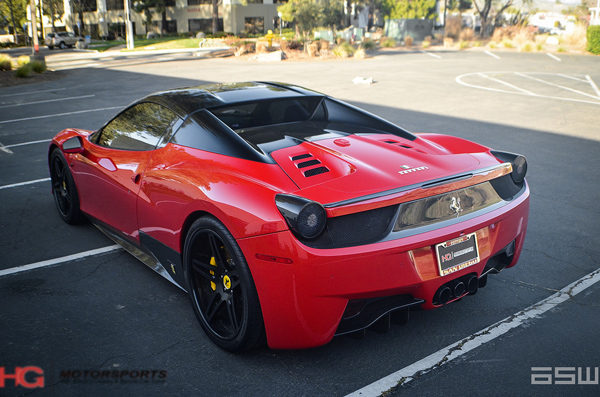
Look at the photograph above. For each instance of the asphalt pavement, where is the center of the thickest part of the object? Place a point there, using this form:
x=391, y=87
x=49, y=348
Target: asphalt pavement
x=95, y=312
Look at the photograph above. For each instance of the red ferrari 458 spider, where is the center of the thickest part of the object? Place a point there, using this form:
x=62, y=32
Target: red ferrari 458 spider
x=291, y=217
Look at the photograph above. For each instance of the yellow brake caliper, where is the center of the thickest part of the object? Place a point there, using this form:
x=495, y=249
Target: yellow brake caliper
x=213, y=262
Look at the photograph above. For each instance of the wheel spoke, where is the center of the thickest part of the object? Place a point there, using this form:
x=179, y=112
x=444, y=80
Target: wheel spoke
x=212, y=307
x=203, y=269
x=231, y=312
x=215, y=250
x=235, y=279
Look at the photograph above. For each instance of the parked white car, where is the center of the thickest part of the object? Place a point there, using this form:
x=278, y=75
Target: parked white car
x=62, y=40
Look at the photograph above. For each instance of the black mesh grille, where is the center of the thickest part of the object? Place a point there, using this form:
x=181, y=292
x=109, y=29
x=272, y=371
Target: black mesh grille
x=308, y=163
x=301, y=156
x=355, y=229
x=316, y=171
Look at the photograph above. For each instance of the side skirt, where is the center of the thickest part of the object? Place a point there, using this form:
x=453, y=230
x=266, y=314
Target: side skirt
x=145, y=253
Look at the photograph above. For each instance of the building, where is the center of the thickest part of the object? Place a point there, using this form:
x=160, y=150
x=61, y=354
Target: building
x=106, y=18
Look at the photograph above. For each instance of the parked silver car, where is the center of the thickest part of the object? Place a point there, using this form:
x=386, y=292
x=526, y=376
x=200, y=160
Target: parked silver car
x=62, y=40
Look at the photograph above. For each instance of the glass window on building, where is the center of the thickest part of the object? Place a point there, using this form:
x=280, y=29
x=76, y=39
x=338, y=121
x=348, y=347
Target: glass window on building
x=171, y=3
x=198, y=2
x=115, y=5
x=254, y=25
x=203, y=25
x=255, y=1
x=171, y=25
x=89, y=5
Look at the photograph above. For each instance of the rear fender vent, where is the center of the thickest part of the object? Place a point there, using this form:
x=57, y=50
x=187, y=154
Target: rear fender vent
x=302, y=156
x=315, y=171
x=309, y=165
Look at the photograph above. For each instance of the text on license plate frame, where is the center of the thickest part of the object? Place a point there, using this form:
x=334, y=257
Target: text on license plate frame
x=468, y=254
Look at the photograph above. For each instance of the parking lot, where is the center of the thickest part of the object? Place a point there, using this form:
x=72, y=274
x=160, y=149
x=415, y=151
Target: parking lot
x=74, y=305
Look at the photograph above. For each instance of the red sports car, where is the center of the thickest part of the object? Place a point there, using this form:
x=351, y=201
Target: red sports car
x=289, y=216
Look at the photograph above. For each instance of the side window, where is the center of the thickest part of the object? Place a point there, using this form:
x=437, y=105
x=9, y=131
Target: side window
x=138, y=128
x=191, y=134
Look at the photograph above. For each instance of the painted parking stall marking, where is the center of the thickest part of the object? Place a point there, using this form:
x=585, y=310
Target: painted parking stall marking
x=458, y=349
x=32, y=92
x=58, y=261
x=47, y=101
x=557, y=86
x=24, y=183
x=59, y=115
x=553, y=57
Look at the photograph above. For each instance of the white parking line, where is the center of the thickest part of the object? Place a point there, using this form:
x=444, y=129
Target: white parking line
x=492, y=55
x=32, y=92
x=519, y=91
x=449, y=353
x=430, y=54
x=555, y=85
x=47, y=101
x=58, y=261
x=594, y=86
x=24, y=183
x=506, y=84
x=553, y=57
x=25, y=143
x=5, y=149
x=59, y=115
x=572, y=77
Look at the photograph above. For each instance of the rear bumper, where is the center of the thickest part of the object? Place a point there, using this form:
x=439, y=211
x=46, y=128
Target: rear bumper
x=303, y=302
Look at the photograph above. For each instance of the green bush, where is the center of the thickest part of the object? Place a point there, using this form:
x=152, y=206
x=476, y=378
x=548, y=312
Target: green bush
x=368, y=45
x=388, y=42
x=23, y=60
x=593, y=39
x=5, y=62
x=527, y=46
x=38, y=66
x=23, y=71
x=344, y=50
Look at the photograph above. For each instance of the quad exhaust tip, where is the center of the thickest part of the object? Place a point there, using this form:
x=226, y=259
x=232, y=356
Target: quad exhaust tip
x=456, y=289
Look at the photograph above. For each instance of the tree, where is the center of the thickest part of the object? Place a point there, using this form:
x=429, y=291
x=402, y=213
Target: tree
x=215, y=16
x=54, y=9
x=14, y=11
x=400, y=9
x=485, y=7
x=311, y=14
x=144, y=7
x=303, y=13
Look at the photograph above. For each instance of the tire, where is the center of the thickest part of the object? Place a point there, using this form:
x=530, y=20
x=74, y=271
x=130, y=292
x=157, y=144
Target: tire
x=64, y=190
x=221, y=287
x=50, y=47
x=62, y=45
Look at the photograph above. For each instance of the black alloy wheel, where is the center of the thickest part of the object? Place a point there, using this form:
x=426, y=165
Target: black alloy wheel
x=221, y=288
x=62, y=45
x=64, y=189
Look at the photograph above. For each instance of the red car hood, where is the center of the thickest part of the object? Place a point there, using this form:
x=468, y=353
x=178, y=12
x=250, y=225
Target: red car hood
x=331, y=170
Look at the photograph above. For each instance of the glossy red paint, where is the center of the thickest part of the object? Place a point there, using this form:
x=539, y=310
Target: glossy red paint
x=304, y=302
x=303, y=291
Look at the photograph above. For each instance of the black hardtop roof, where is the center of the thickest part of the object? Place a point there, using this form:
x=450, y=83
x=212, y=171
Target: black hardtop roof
x=185, y=101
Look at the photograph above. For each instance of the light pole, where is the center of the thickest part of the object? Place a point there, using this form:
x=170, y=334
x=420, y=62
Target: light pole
x=129, y=25
x=279, y=14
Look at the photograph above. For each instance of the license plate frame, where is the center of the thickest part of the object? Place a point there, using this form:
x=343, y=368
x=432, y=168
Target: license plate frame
x=457, y=254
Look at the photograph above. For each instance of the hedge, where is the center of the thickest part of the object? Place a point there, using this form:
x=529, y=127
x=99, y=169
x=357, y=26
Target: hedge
x=593, y=39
